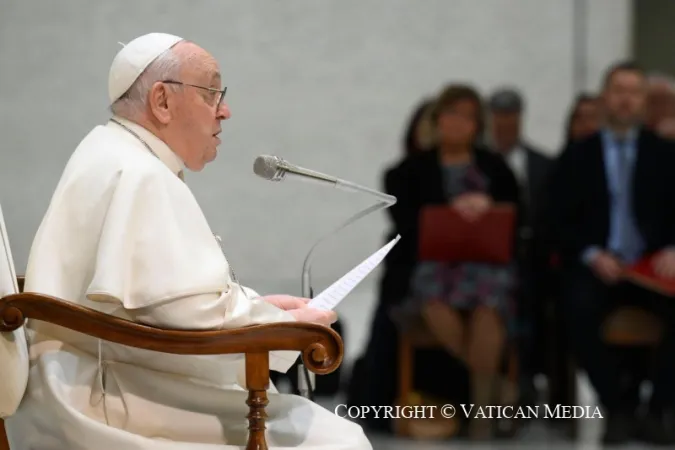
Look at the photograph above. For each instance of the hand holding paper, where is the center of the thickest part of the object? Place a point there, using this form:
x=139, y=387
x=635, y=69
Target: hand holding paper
x=300, y=309
x=312, y=315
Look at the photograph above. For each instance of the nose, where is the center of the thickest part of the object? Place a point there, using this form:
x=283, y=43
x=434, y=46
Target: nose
x=223, y=112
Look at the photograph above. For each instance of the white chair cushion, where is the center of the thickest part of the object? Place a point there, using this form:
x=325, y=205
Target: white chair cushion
x=14, y=358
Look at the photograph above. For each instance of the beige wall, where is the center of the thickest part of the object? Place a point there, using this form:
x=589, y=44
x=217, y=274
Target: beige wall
x=655, y=35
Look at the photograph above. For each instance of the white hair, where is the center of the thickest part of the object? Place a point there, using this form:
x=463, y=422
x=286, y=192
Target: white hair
x=133, y=103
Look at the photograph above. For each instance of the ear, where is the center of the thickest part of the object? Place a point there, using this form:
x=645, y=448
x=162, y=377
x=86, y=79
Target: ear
x=158, y=102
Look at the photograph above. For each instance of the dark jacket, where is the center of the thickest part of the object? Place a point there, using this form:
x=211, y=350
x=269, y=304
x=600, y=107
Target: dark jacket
x=538, y=169
x=580, y=200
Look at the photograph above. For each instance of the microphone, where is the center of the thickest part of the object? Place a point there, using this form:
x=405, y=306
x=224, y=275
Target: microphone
x=273, y=168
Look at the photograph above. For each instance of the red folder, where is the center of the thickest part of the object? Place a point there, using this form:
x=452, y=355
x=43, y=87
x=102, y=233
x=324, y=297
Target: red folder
x=445, y=236
x=642, y=273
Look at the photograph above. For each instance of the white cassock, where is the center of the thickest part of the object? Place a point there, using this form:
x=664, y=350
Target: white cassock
x=124, y=235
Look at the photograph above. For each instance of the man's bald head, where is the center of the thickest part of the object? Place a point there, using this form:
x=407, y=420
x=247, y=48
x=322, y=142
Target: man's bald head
x=197, y=64
x=661, y=82
x=660, y=104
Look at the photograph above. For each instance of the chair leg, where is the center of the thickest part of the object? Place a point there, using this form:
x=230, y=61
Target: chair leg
x=4, y=442
x=405, y=369
x=257, y=383
x=512, y=369
x=508, y=389
x=508, y=393
x=572, y=395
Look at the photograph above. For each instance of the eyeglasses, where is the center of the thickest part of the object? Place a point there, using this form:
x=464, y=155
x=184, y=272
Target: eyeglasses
x=219, y=95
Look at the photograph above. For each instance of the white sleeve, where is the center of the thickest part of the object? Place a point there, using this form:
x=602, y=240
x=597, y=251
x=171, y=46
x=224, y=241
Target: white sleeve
x=227, y=310
x=158, y=258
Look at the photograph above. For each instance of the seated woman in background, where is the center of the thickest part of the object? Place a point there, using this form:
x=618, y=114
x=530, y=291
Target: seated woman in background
x=374, y=376
x=467, y=306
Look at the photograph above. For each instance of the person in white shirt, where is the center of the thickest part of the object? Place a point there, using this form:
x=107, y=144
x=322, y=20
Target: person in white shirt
x=124, y=235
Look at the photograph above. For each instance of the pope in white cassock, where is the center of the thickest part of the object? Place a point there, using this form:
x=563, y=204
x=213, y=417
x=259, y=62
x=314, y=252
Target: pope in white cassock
x=124, y=235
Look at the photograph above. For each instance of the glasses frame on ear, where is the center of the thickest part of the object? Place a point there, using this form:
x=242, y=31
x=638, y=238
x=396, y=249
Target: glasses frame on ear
x=219, y=101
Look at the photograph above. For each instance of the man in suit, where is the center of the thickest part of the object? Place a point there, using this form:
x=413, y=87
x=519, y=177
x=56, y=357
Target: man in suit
x=530, y=167
x=613, y=202
x=528, y=163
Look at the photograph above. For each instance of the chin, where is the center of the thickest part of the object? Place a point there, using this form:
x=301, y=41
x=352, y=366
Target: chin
x=195, y=166
x=211, y=156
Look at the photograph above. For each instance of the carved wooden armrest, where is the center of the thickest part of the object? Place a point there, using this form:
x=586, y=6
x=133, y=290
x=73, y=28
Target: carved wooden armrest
x=321, y=347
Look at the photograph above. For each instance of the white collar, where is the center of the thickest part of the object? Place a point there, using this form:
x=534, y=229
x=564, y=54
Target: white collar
x=158, y=147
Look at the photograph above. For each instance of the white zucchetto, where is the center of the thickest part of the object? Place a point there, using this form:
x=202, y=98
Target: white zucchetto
x=134, y=58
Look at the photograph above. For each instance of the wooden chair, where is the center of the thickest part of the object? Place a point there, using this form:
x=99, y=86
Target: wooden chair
x=627, y=326
x=421, y=338
x=410, y=340
x=321, y=347
x=633, y=326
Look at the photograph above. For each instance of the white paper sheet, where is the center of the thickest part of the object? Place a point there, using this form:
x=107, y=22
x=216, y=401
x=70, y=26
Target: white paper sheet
x=336, y=292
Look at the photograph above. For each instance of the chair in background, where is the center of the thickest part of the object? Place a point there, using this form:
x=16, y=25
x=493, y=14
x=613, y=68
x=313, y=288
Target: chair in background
x=632, y=326
x=627, y=327
x=419, y=338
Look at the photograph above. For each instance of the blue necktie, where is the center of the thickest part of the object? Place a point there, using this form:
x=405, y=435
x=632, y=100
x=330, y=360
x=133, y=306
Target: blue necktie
x=629, y=236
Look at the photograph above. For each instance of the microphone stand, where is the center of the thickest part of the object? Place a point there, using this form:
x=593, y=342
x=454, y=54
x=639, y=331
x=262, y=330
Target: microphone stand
x=307, y=380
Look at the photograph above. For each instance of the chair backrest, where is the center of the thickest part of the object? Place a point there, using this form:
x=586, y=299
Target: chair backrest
x=14, y=360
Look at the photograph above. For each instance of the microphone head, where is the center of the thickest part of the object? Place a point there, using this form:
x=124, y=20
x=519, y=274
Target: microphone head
x=267, y=167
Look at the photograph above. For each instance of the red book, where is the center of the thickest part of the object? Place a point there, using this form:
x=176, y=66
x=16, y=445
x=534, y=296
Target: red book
x=445, y=236
x=642, y=273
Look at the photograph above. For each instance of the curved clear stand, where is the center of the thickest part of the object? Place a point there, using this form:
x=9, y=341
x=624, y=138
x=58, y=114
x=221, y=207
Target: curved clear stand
x=307, y=380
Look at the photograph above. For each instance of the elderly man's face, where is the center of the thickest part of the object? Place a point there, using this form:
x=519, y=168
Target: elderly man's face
x=194, y=127
x=505, y=130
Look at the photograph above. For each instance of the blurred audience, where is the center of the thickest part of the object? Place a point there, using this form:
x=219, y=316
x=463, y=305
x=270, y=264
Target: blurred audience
x=612, y=203
x=660, y=106
x=468, y=307
x=531, y=167
x=420, y=134
x=584, y=119
x=604, y=203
